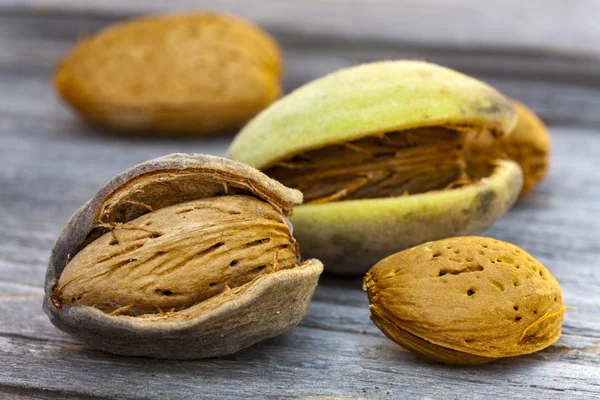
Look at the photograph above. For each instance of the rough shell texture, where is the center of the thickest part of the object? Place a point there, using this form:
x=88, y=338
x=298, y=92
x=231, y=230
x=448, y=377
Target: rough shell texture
x=265, y=307
x=350, y=236
x=366, y=100
x=179, y=256
x=388, y=165
x=466, y=300
x=194, y=73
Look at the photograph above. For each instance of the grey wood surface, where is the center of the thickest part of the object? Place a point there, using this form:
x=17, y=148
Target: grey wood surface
x=543, y=52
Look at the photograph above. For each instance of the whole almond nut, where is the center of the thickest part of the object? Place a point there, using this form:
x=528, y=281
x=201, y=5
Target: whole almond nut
x=192, y=73
x=465, y=300
x=528, y=144
x=377, y=150
x=177, y=253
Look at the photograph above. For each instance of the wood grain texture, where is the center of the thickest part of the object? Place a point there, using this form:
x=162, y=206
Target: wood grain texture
x=50, y=164
x=50, y=169
x=556, y=73
x=541, y=24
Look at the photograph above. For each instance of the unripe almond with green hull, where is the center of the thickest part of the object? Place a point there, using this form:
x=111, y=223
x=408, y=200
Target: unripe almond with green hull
x=378, y=151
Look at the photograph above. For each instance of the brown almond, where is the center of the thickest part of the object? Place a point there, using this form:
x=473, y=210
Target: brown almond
x=177, y=253
x=190, y=73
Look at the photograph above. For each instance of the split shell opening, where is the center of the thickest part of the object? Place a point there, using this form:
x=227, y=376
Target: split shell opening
x=379, y=152
x=176, y=254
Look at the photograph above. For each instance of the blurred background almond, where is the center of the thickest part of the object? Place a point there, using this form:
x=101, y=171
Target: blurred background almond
x=182, y=74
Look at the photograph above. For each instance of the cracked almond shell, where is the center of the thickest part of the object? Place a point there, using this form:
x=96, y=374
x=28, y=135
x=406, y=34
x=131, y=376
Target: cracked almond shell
x=266, y=303
x=408, y=117
x=190, y=74
x=465, y=300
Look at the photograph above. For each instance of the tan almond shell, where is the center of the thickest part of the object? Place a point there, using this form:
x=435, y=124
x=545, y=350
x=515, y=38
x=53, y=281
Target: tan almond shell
x=263, y=308
x=466, y=300
x=190, y=73
x=528, y=144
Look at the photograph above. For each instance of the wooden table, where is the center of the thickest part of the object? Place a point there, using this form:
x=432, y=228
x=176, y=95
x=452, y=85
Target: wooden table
x=545, y=52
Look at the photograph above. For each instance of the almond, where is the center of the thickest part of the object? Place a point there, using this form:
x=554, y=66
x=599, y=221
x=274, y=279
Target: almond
x=177, y=253
x=191, y=73
x=465, y=300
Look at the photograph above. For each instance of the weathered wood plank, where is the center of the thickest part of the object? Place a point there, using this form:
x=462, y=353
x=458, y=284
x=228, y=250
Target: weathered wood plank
x=541, y=24
x=16, y=393
x=68, y=165
x=306, y=361
x=563, y=87
x=50, y=164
